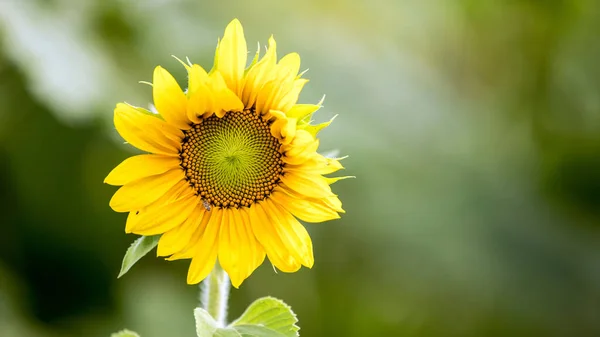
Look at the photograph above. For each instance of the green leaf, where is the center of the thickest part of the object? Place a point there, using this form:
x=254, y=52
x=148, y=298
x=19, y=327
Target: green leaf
x=206, y=326
x=136, y=251
x=125, y=333
x=257, y=331
x=227, y=332
x=269, y=313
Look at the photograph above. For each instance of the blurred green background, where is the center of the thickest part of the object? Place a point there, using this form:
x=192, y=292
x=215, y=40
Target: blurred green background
x=473, y=127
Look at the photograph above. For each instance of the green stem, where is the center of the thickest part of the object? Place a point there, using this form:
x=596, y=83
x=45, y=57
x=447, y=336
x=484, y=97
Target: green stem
x=215, y=294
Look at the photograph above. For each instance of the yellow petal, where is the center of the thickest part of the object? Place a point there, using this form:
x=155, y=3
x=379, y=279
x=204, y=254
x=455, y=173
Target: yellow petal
x=189, y=250
x=200, y=96
x=232, y=54
x=292, y=233
x=303, y=111
x=206, y=252
x=290, y=64
x=302, y=140
x=137, y=167
x=146, y=132
x=131, y=221
x=330, y=200
x=301, y=149
x=165, y=218
x=140, y=193
x=224, y=98
x=333, y=202
x=271, y=93
x=239, y=251
x=268, y=237
x=176, y=239
x=169, y=100
x=182, y=188
x=317, y=164
x=259, y=74
x=310, y=185
x=283, y=128
x=289, y=99
x=304, y=209
x=197, y=76
x=274, y=93
x=258, y=252
x=288, y=131
x=333, y=165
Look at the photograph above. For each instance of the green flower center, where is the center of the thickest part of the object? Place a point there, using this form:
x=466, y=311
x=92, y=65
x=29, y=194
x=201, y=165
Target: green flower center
x=232, y=161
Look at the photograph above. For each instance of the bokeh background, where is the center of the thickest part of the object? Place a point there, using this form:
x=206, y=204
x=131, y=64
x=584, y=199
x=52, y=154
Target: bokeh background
x=473, y=127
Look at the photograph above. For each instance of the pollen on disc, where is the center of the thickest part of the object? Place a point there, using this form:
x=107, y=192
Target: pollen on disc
x=232, y=161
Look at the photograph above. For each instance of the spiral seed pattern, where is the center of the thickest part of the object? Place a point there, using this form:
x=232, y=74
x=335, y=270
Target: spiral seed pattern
x=232, y=161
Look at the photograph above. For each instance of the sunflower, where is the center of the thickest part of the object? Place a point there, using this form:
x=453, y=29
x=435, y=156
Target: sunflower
x=231, y=164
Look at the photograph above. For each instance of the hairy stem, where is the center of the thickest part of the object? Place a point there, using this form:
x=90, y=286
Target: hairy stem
x=214, y=295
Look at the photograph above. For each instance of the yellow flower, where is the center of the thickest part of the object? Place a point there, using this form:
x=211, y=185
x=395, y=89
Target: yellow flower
x=231, y=164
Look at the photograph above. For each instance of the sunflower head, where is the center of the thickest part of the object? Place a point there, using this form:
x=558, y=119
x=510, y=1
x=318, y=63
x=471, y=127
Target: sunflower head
x=231, y=164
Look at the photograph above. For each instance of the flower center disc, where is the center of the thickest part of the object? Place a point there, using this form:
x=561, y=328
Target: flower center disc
x=232, y=161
